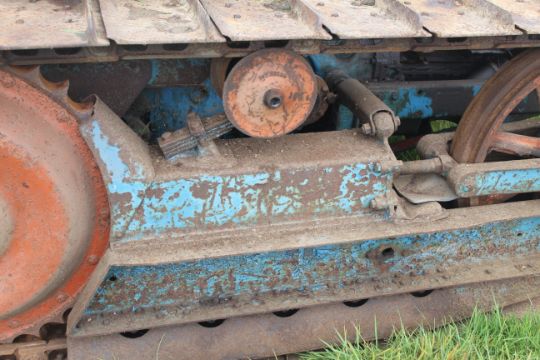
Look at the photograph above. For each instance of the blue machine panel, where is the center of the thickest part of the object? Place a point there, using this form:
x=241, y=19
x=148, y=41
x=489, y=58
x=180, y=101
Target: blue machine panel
x=260, y=198
x=308, y=272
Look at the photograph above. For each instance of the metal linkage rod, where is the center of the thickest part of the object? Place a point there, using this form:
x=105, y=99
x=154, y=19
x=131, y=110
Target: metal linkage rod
x=375, y=117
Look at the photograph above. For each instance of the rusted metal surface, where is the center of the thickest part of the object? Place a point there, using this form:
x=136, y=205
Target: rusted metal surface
x=493, y=178
x=270, y=93
x=117, y=84
x=212, y=50
x=177, y=143
x=33, y=350
x=368, y=19
x=523, y=12
x=449, y=18
x=126, y=169
x=39, y=144
x=167, y=73
x=309, y=328
x=50, y=24
x=379, y=259
x=171, y=22
x=475, y=135
x=373, y=115
x=304, y=176
x=245, y=20
x=516, y=144
x=79, y=23
x=423, y=188
x=219, y=69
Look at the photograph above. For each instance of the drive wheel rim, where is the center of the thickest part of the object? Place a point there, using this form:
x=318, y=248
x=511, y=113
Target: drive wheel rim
x=57, y=217
x=479, y=130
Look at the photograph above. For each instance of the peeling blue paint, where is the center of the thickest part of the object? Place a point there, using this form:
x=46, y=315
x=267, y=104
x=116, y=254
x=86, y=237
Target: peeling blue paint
x=476, y=89
x=308, y=272
x=266, y=197
x=125, y=184
x=169, y=106
x=415, y=104
x=358, y=66
x=501, y=182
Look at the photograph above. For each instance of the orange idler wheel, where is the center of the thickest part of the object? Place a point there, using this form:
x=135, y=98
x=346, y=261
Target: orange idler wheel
x=270, y=93
x=54, y=213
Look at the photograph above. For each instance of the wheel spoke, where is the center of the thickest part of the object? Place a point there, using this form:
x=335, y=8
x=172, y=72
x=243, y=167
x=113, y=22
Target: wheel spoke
x=515, y=144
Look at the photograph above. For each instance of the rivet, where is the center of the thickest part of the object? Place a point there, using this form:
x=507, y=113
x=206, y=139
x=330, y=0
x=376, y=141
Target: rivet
x=61, y=297
x=366, y=129
x=335, y=14
x=236, y=16
x=13, y=324
x=93, y=259
x=320, y=4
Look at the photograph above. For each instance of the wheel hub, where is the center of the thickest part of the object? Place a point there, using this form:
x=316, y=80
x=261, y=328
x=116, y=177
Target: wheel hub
x=54, y=224
x=270, y=93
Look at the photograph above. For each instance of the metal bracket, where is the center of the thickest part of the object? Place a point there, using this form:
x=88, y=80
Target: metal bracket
x=376, y=118
x=198, y=134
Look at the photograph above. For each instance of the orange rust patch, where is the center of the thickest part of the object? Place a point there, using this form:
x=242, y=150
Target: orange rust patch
x=55, y=196
x=270, y=93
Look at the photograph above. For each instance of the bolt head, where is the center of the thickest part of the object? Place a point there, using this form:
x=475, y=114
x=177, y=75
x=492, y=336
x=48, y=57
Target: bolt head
x=13, y=324
x=366, y=129
x=93, y=259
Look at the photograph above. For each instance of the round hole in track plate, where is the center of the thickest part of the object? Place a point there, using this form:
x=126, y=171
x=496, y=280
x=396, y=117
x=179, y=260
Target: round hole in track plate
x=285, y=313
x=175, y=47
x=420, y=294
x=387, y=253
x=67, y=51
x=57, y=354
x=134, y=334
x=276, y=43
x=355, y=303
x=52, y=331
x=27, y=52
x=134, y=48
x=212, y=323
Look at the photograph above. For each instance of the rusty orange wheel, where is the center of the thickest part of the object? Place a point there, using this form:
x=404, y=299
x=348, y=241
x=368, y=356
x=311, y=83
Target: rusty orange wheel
x=480, y=129
x=481, y=133
x=54, y=225
x=270, y=93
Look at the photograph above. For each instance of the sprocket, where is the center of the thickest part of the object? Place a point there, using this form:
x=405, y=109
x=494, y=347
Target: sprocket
x=53, y=202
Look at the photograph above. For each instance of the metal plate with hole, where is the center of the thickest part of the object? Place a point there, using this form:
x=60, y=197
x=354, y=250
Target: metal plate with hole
x=268, y=335
x=463, y=18
x=248, y=20
x=372, y=19
x=50, y=24
x=524, y=12
x=167, y=22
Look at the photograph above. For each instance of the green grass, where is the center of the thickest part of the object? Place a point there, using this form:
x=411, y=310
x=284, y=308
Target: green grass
x=485, y=336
